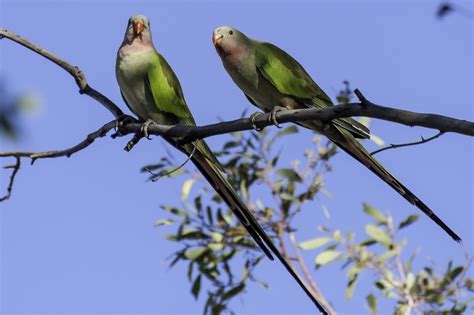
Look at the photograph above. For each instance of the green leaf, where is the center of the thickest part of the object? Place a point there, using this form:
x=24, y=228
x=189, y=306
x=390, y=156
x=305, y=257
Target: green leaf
x=196, y=287
x=186, y=188
x=217, y=237
x=378, y=234
x=162, y=222
x=194, y=253
x=410, y=280
x=372, y=301
x=209, y=215
x=351, y=287
x=287, y=131
x=327, y=257
x=353, y=272
x=374, y=213
x=215, y=247
x=243, y=189
x=412, y=218
x=290, y=175
x=175, y=210
x=388, y=254
x=231, y=144
x=286, y=196
x=233, y=292
x=314, y=243
x=455, y=272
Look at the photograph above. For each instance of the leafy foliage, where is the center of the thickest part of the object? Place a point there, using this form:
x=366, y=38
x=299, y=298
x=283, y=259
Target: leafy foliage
x=381, y=254
x=216, y=248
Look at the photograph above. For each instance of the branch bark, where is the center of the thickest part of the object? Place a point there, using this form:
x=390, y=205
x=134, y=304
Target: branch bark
x=102, y=131
x=75, y=72
x=188, y=134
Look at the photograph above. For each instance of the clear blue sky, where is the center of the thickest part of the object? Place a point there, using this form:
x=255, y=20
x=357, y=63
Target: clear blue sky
x=78, y=236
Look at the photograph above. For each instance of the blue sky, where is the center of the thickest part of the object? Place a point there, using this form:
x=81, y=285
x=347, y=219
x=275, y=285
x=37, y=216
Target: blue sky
x=78, y=236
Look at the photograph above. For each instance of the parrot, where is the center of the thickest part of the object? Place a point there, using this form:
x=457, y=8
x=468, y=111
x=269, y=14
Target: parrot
x=151, y=90
x=272, y=80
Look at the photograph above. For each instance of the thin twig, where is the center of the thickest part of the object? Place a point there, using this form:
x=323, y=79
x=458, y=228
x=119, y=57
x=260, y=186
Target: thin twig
x=102, y=131
x=394, y=146
x=16, y=168
x=163, y=174
x=307, y=274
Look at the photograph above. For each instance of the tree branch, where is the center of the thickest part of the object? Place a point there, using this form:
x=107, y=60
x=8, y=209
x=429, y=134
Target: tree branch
x=102, y=131
x=188, y=134
x=16, y=168
x=75, y=72
x=394, y=146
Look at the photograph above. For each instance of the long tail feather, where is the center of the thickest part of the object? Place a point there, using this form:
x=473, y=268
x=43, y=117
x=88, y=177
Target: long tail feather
x=225, y=190
x=351, y=146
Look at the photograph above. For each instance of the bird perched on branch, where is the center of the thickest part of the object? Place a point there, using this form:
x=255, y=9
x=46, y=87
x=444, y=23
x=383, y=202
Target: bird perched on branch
x=273, y=80
x=152, y=91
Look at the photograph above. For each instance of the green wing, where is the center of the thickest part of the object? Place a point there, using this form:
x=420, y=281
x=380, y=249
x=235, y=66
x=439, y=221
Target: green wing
x=290, y=78
x=287, y=75
x=166, y=90
x=169, y=99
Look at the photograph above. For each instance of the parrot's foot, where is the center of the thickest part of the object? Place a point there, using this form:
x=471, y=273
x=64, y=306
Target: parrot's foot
x=252, y=120
x=273, y=113
x=144, y=128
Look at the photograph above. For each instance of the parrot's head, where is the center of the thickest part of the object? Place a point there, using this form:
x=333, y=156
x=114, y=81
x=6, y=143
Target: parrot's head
x=138, y=28
x=228, y=40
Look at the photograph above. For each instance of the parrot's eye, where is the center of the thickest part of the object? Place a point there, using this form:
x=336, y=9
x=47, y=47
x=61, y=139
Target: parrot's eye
x=231, y=32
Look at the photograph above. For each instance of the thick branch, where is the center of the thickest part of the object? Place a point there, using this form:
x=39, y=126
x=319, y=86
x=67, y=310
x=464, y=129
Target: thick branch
x=76, y=73
x=433, y=121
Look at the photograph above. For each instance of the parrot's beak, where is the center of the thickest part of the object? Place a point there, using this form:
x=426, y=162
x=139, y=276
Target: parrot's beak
x=216, y=38
x=138, y=27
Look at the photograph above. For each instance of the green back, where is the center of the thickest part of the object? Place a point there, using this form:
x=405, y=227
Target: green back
x=169, y=99
x=287, y=75
x=290, y=78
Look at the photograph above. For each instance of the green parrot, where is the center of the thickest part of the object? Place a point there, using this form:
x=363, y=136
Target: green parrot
x=273, y=80
x=152, y=91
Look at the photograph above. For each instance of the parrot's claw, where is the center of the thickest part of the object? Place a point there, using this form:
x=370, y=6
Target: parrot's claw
x=144, y=128
x=273, y=113
x=252, y=120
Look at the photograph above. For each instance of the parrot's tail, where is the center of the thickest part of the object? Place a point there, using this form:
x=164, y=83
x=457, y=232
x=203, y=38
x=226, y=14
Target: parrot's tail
x=357, y=151
x=224, y=189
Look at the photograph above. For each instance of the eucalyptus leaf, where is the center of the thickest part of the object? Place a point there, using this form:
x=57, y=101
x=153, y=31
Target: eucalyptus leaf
x=378, y=234
x=314, y=243
x=196, y=287
x=372, y=301
x=374, y=213
x=194, y=253
x=412, y=218
x=326, y=257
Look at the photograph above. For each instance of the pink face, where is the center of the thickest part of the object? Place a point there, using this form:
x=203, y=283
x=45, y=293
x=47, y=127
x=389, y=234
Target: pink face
x=226, y=41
